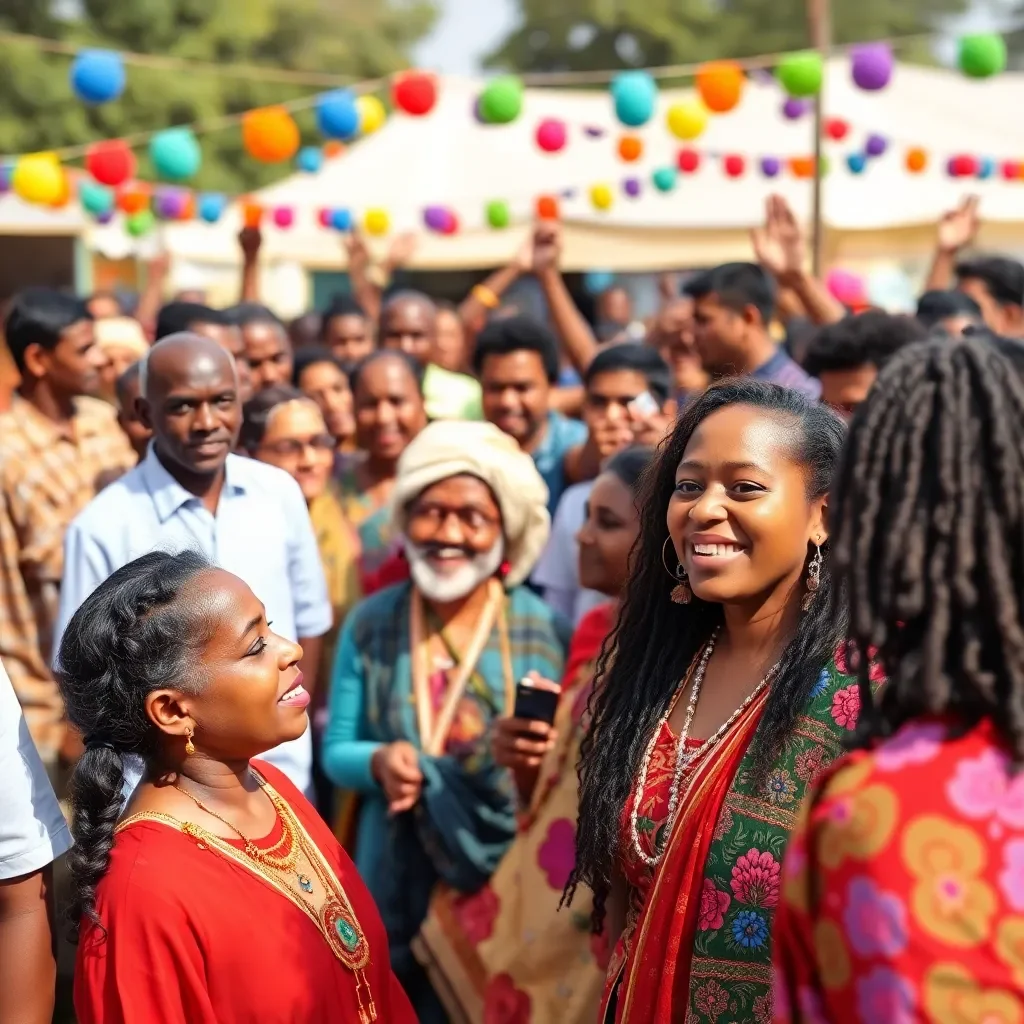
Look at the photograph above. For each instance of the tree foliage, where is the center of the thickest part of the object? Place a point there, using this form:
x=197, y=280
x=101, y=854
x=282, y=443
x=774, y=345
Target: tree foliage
x=574, y=35
x=359, y=38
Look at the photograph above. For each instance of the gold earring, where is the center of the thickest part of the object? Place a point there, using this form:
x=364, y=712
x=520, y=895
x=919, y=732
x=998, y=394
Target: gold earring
x=813, y=579
x=189, y=745
x=681, y=592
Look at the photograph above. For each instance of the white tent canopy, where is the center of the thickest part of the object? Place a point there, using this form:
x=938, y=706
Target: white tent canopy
x=449, y=159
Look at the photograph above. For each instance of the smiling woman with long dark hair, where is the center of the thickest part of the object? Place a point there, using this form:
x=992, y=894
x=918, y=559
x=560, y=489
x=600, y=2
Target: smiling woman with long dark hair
x=219, y=896
x=716, y=701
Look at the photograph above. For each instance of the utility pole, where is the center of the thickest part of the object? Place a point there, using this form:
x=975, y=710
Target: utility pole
x=819, y=18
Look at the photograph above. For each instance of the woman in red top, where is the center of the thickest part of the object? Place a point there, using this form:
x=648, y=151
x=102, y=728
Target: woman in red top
x=903, y=890
x=220, y=897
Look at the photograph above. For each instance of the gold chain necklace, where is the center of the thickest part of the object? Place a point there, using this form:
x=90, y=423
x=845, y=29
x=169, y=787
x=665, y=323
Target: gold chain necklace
x=335, y=919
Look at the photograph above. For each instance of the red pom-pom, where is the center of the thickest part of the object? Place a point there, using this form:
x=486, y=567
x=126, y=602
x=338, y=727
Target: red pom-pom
x=1010, y=170
x=415, y=93
x=451, y=224
x=964, y=166
x=837, y=129
x=110, y=162
x=504, y=569
x=734, y=165
x=688, y=160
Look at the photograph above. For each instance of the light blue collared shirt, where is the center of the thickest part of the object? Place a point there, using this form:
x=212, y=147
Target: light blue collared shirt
x=260, y=533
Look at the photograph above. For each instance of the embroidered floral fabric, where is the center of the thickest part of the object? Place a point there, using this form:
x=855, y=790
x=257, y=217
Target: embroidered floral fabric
x=903, y=890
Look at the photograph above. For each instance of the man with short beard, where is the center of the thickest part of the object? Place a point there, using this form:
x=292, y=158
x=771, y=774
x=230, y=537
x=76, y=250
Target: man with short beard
x=425, y=666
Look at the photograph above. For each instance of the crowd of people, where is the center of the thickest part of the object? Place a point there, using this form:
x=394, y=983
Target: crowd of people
x=420, y=662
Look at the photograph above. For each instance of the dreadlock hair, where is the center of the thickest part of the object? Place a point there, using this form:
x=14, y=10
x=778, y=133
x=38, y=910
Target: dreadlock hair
x=137, y=632
x=928, y=538
x=655, y=641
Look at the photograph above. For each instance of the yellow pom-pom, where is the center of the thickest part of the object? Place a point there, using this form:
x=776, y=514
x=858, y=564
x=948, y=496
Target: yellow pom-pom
x=39, y=178
x=602, y=197
x=377, y=222
x=687, y=119
x=372, y=114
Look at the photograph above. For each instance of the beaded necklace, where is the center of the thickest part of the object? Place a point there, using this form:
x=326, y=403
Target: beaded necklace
x=684, y=757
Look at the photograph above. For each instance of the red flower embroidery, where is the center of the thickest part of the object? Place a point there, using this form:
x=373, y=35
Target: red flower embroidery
x=849, y=667
x=713, y=905
x=809, y=764
x=723, y=825
x=846, y=706
x=763, y=1008
x=476, y=914
x=504, y=1003
x=711, y=999
x=755, y=879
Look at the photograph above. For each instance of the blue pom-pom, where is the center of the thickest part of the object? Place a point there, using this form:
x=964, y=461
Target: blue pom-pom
x=856, y=162
x=986, y=167
x=211, y=207
x=635, y=95
x=310, y=159
x=175, y=153
x=337, y=115
x=341, y=220
x=95, y=199
x=97, y=76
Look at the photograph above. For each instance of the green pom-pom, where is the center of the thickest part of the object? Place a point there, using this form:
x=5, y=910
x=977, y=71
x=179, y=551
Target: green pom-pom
x=141, y=223
x=664, y=179
x=498, y=215
x=801, y=73
x=982, y=55
x=501, y=102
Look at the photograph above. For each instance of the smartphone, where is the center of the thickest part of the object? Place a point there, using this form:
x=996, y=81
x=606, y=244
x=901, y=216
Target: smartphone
x=534, y=704
x=644, y=405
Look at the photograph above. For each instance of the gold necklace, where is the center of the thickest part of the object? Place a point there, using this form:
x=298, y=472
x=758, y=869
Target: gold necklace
x=335, y=920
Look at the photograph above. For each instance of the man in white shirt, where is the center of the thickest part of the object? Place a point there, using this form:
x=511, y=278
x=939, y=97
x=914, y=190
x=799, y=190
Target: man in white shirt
x=33, y=834
x=191, y=492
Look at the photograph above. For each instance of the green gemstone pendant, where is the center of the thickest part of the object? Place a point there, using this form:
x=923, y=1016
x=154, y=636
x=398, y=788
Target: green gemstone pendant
x=348, y=935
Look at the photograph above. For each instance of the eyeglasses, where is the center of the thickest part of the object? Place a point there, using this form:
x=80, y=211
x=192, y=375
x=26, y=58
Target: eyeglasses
x=296, y=445
x=435, y=516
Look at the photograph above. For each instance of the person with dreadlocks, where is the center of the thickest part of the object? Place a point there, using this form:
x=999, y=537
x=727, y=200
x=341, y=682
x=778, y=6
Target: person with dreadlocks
x=903, y=889
x=717, y=700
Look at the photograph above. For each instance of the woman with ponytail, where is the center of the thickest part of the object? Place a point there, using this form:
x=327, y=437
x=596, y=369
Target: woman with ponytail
x=218, y=896
x=717, y=699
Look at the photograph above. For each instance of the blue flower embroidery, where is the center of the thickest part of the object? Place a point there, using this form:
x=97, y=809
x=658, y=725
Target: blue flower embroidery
x=749, y=929
x=822, y=684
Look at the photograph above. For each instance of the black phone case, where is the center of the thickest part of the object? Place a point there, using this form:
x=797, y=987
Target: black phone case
x=535, y=705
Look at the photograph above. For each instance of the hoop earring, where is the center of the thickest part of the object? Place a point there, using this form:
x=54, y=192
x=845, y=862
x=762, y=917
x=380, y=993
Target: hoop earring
x=813, y=579
x=189, y=745
x=681, y=592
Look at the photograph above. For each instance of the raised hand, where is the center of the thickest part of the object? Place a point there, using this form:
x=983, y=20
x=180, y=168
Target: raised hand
x=958, y=228
x=547, y=246
x=779, y=245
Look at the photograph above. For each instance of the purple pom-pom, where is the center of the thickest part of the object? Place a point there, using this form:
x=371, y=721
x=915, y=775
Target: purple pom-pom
x=871, y=65
x=435, y=218
x=631, y=186
x=770, y=166
x=875, y=145
x=793, y=109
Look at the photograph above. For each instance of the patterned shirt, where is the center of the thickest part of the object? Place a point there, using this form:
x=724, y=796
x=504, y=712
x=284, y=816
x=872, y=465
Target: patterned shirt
x=47, y=476
x=780, y=369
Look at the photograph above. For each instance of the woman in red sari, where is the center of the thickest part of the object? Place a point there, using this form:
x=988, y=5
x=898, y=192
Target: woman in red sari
x=722, y=700
x=220, y=896
x=903, y=891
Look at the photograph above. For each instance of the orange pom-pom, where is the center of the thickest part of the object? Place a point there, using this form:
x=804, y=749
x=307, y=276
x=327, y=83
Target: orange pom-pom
x=916, y=160
x=333, y=148
x=188, y=207
x=720, y=85
x=252, y=214
x=133, y=198
x=630, y=148
x=270, y=134
x=547, y=208
x=802, y=166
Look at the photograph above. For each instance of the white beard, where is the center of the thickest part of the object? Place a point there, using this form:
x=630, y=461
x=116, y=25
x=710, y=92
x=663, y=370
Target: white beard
x=444, y=587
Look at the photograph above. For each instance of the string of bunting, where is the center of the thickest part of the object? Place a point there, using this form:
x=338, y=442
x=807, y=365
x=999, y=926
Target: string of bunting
x=270, y=134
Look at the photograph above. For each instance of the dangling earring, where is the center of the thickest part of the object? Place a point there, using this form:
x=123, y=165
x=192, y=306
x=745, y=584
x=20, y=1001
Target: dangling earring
x=189, y=745
x=681, y=592
x=813, y=579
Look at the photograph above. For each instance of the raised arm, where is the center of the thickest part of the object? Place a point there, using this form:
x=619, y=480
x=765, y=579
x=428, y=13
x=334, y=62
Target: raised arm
x=956, y=230
x=486, y=296
x=570, y=324
x=780, y=248
x=249, y=241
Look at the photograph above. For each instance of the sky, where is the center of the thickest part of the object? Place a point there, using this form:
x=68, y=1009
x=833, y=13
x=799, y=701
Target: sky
x=468, y=29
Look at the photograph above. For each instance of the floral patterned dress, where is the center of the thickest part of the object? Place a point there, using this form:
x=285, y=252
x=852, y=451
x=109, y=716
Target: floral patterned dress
x=903, y=889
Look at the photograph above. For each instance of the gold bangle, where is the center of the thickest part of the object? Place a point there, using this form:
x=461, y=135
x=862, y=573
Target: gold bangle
x=485, y=296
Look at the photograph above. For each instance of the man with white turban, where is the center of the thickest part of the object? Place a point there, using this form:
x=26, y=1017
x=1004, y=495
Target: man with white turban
x=425, y=666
